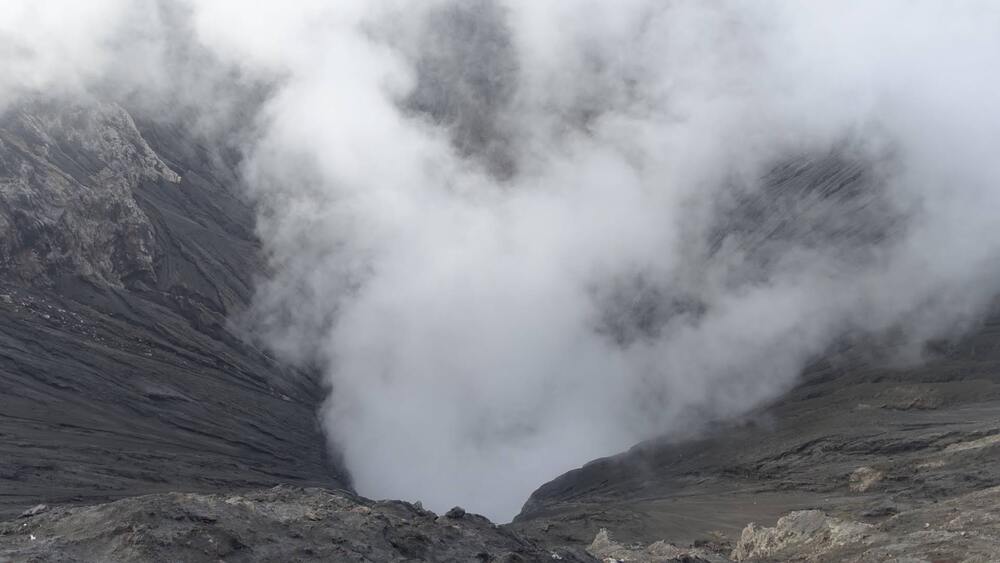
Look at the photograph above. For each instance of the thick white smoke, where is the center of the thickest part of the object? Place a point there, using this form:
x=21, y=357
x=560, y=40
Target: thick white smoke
x=520, y=235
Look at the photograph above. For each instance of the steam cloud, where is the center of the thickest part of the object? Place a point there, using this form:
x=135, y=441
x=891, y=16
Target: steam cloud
x=520, y=235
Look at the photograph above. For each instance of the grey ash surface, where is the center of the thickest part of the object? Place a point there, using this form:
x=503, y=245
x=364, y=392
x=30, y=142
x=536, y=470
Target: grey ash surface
x=125, y=250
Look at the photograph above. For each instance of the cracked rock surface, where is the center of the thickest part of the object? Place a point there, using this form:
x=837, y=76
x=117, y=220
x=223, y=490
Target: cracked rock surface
x=279, y=524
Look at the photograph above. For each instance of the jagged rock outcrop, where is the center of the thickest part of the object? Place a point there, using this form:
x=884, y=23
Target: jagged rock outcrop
x=805, y=533
x=280, y=524
x=966, y=528
x=67, y=207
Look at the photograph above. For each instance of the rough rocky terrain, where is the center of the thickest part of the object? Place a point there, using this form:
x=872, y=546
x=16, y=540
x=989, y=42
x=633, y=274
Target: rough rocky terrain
x=965, y=528
x=280, y=524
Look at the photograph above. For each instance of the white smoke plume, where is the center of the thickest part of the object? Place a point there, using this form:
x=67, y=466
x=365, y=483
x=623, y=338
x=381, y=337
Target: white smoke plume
x=520, y=235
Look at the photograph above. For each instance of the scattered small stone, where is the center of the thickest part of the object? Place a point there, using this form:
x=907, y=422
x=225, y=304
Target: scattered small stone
x=864, y=478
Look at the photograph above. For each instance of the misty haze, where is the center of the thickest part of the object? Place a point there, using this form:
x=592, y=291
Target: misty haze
x=499, y=280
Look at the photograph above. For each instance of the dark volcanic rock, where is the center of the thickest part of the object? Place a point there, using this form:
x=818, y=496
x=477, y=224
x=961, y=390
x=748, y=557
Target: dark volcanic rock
x=125, y=247
x=281, y=524
x=67, y=177
x=455, y=513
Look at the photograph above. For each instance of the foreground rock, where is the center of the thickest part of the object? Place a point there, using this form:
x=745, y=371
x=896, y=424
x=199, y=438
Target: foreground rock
x=966, y=528
x=280, y=524
x=962, y=529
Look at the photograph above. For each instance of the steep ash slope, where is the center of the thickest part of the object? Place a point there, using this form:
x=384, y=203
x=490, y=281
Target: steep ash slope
x=124, y=250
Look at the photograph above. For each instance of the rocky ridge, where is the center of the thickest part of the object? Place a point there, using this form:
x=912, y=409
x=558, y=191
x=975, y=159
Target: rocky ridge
x=279, y=524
